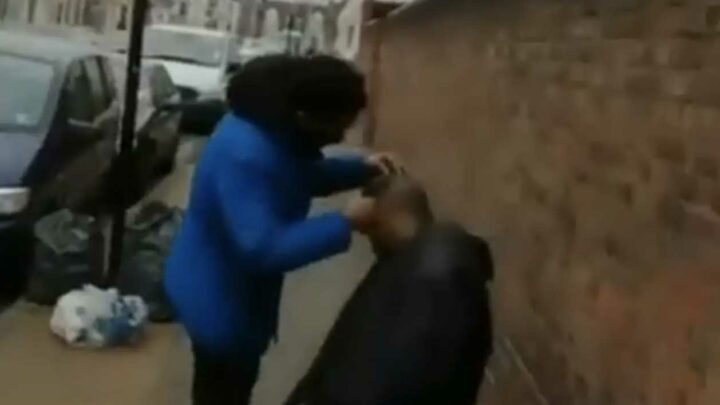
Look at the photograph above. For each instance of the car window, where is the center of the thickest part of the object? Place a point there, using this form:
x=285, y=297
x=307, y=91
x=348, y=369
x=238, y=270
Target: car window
x=100, y=94
x=78, y=91
x=110, y=80
x=25, y=87
x=144, y=95
x=162, y=85
x=117, y=67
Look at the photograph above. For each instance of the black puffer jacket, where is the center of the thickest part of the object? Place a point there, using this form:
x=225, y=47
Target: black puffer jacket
x=417, y=330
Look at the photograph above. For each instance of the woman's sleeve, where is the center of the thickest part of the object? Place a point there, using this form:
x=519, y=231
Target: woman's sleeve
x=336, y=174
x=249, y=210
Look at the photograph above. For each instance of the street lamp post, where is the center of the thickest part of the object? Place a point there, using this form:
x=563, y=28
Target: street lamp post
x=127, y=138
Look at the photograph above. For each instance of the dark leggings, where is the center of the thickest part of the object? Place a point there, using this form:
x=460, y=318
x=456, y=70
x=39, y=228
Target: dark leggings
x=223, y=380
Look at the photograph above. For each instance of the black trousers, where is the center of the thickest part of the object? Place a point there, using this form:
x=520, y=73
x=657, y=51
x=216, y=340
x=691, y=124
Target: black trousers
x=223, y=380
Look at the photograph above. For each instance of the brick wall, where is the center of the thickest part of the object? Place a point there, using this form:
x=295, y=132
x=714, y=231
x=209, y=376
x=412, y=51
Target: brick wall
x=583, y=139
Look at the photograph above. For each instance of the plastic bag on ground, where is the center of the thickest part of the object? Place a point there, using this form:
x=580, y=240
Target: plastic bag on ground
x=94, y=318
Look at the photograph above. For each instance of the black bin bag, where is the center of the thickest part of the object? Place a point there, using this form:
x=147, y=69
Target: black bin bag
x=64, y=252
x=62, y=256
x=150, y=233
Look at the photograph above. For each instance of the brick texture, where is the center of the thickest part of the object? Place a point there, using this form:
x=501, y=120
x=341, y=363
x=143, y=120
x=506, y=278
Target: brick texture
x=583, y=140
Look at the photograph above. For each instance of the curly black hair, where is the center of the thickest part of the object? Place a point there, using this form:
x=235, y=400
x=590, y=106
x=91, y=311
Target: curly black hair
x=270, y=90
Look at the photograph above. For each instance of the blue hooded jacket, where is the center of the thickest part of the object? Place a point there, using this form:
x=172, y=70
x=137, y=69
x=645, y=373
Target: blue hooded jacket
x=246, y=226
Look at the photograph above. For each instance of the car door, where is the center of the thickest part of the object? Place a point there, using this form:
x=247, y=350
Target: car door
x=91, y=135
x=165, y=130
x=158, y=135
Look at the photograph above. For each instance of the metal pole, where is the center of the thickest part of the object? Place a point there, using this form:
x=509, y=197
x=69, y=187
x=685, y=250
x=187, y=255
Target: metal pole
x=127, y=138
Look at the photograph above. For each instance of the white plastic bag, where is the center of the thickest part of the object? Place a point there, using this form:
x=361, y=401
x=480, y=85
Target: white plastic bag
x=95, y=318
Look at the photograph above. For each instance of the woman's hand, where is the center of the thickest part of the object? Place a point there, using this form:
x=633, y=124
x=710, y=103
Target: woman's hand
x=361, y=212
x=386, y=163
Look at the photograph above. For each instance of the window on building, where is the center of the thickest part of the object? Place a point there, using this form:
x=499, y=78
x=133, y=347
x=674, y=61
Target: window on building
x=183, y=9
x=3, y=9
x=59, y=16
x=123, y=20
x=32, y=7
x=350, y=35
x=79, y=13
x=67, y=18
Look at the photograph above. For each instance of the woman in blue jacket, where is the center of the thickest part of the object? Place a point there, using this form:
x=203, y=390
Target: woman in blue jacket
x=247, y=222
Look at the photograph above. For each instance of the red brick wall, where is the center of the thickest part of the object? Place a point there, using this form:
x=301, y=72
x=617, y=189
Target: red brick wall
x=583, y=139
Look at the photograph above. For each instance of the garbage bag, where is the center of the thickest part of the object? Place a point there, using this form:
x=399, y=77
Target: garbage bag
x=94, y=318
x=150, y=233
x=62, y=256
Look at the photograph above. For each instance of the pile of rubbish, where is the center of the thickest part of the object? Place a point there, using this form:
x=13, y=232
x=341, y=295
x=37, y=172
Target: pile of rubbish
x=150, y=233
x=92, y=318
x=64, y=255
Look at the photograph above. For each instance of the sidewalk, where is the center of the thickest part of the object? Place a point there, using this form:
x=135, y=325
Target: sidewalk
x=38, y=369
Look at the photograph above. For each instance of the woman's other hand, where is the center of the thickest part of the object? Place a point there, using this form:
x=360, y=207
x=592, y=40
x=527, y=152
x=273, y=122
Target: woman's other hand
x=386, y=163
x=361, y=212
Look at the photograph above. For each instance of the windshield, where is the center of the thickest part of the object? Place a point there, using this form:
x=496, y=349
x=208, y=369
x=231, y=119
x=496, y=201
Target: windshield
x=26, y=86
x=185, y=47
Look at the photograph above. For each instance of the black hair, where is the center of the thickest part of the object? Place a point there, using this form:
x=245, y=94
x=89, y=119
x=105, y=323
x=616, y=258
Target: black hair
x=409, y=192
x=270, y=90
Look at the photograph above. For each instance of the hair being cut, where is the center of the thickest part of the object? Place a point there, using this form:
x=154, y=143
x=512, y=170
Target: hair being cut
x=404, y=189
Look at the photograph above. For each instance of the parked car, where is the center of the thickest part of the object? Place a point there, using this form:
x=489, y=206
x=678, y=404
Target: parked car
x=199, y=62
x=59, y=118
x=158, y=128
x=198, y=59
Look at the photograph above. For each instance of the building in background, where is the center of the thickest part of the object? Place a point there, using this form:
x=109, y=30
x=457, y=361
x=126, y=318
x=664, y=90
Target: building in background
x=324, y=26
x=114, y=15
x=44, y=12
x=308, y=26
x=329, y=26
